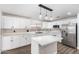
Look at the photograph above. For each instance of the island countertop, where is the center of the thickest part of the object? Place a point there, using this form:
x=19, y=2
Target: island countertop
x=46, y=39
x=46, y=44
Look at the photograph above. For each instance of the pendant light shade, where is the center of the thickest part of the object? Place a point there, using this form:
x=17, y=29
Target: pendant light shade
x=40, y=16
x=46, y=18
x=50, y=18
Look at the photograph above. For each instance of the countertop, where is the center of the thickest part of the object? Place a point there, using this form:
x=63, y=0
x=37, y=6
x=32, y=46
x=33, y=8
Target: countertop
x=34, y=33
x=46, y=39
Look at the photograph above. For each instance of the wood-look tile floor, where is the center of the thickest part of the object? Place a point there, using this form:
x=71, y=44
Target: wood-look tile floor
x=61, y=49
x=20, y=50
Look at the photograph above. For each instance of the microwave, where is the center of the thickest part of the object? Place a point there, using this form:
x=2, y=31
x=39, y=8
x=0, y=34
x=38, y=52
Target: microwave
x=55, y=26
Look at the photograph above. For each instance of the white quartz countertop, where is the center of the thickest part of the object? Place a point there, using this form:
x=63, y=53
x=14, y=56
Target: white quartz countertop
x=47, y=39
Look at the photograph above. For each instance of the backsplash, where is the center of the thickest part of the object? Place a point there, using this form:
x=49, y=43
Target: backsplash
x=6, y=30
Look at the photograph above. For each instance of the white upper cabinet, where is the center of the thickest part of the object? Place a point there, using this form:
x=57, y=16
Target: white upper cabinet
x=47, y=25
x=36, y=23
x=17, y=22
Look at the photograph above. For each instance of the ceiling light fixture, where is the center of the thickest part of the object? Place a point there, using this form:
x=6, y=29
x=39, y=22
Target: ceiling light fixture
x=46, y=14
x=51, y=18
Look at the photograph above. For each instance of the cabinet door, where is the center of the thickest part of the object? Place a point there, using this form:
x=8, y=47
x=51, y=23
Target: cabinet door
x=28, y=40
x=22, y=40
x=0, y=43
x=6, y=43
x=15, y=42
x=10, y=42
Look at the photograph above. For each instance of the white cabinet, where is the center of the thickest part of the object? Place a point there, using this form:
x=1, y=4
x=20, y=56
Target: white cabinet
x=28, y=40
x=15, y=41
x=0, y=43
x=11, y=42
x=9, y=21
x=6, y=43
x=47, y=25
x=23, y=41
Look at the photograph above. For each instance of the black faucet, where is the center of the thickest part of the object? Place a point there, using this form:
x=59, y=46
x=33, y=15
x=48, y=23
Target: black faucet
x=14, y=31
x=27, y=30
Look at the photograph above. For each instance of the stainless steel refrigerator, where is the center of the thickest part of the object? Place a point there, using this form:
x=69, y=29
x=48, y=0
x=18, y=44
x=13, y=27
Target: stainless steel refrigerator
x=69, y=34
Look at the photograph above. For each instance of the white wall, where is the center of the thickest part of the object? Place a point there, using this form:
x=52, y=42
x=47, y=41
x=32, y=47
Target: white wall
x=0, y=33
x=78, y=29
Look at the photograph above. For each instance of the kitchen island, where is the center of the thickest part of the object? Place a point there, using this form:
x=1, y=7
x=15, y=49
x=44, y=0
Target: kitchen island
x=45, y=43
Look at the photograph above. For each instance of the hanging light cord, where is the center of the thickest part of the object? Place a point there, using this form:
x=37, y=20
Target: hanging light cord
x=46, y=12
x=40, y=10
x=50, y=13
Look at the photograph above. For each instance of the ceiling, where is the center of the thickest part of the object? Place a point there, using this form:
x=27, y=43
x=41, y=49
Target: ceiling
x=32, y=10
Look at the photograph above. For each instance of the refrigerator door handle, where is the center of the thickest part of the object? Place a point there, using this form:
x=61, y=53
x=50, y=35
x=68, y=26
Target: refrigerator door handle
x=66, y=34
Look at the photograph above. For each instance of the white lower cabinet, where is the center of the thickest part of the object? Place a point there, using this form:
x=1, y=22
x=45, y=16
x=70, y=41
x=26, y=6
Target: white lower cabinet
x=6, y=43
x=28, y=40
x=0, y=43
x=11, y=42
x=15, y=41
x=22, y=41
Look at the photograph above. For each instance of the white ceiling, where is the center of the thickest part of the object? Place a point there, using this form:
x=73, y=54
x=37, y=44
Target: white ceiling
x=32, y=10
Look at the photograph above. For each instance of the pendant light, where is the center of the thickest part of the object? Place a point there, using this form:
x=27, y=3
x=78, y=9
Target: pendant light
x=50, y=16
x=46, y=16
x=40, y=16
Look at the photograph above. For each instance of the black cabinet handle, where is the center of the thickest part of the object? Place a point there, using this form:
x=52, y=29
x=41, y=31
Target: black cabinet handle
x=11, y=40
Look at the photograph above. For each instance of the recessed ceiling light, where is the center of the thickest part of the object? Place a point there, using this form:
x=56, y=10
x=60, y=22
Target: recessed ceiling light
x=68, y=13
